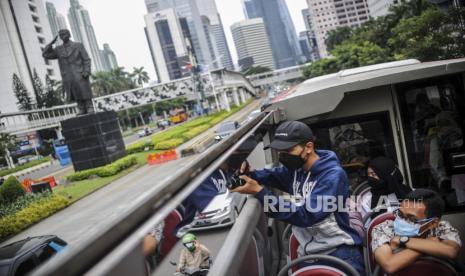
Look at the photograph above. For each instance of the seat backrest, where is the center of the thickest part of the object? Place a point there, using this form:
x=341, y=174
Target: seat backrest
x=293, y=247
x=368, y=237
x=169, y=239
x=318, y=270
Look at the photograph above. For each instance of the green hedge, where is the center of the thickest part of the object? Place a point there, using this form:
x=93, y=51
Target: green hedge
x=24, y=166
x=9, y=208
x=139, y=147
x=196, y=131
x=169, y=144
x=35, y=212
x=104, y=171
x=11, y=189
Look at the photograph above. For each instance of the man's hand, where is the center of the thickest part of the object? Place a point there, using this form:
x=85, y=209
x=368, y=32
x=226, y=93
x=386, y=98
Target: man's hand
x=250, y=187
x=85, y=75
x=395, y=242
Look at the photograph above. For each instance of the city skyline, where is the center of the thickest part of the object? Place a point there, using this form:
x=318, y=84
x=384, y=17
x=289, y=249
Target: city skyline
x=111, y=29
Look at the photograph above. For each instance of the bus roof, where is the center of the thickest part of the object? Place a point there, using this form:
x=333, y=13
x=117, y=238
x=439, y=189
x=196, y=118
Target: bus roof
x=322, y=94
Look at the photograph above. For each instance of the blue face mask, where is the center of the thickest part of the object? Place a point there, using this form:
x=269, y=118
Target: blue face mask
x=404, y=228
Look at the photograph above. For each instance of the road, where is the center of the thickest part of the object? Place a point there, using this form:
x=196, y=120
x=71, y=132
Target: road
x=90, y=214
x=99, y=209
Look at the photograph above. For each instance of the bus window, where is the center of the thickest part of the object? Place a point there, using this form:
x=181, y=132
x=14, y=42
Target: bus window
x=433, y=118
x=356, y=140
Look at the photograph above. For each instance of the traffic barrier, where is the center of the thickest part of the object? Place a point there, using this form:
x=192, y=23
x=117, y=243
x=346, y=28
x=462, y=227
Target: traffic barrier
x=27, y=183
x=162, y=157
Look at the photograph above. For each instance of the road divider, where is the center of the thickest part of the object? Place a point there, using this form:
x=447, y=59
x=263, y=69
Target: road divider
x=162, y=157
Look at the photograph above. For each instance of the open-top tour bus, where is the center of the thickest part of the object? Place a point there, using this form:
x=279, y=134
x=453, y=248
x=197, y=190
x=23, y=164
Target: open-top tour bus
x=410, y=111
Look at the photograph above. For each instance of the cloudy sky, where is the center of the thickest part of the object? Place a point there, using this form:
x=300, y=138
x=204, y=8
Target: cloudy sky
x=121, y=24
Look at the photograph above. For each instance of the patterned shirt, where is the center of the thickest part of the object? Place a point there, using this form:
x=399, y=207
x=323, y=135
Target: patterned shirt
x=384, y=232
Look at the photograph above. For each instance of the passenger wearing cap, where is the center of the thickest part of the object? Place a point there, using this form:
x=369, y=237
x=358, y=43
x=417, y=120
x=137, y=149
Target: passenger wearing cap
x=311, y=176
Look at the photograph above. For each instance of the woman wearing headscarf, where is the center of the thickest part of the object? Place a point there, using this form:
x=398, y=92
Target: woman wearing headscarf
x=387, y=183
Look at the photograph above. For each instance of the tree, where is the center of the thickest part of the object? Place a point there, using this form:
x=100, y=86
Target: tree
x=140, y=76
x=321, y=67
x=256, y=70
x=102, y=84
x=24, y=100
x=434, y=35
x=53, y=97
x=38, y=89
x=337, y=37
x=351, y=55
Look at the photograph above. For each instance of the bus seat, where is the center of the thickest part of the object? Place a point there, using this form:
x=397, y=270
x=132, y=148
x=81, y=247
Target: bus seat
x=427, y=266
x=361, y=188
x=367, y=253
x=169, y=239
x=293, y=247
x=333, y=267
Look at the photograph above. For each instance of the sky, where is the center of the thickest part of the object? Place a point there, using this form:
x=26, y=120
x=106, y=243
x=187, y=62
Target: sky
x=120, y=23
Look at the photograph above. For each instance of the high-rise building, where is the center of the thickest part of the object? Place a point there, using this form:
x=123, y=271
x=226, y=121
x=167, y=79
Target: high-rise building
x=83, y=31
x=208, y=8
x=108, y=57
x=201, y=31
x=305, y=46
x=327, y=15
x=57, y=20
x=311, y=37
x=252, y=44
x=280, y=29
x=168, y=40
x=380, y=7
x=24, y=32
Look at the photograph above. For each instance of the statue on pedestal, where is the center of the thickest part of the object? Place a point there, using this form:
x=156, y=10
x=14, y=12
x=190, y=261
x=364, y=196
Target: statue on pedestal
x=75, y=70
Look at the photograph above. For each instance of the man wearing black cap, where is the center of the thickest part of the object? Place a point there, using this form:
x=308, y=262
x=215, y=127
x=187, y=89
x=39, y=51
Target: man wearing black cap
x=310, y=176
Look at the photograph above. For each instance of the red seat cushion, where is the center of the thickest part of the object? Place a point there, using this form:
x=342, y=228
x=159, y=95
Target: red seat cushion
x=169, y=240
x=293, y=246
x=318, y=271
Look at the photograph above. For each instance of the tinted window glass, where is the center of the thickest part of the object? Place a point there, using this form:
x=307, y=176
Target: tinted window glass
x=356, y=140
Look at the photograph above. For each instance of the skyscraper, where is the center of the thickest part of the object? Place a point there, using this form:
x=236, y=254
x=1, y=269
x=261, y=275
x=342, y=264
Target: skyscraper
x=108, y=57
x=208, y=8
x=327, y=15
x=305, y=46
x=167, y=36
x=57, y=20
x=83, y=32
x=280, y=29
x=24, y=32
x=252, y=44
x=310, y=33
x=205, y=29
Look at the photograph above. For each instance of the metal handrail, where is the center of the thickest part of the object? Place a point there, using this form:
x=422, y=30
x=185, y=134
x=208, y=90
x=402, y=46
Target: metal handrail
x=330, y=259
x=81, y=258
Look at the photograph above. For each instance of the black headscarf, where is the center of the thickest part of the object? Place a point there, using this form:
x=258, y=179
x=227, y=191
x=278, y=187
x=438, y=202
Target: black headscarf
x=391, y=180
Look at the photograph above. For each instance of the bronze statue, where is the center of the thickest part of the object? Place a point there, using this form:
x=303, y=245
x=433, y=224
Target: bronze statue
x=75, y=70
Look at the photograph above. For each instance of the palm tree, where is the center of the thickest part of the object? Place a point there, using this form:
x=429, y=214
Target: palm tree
x=122, y=79
x=103, y=84
x=140, y=76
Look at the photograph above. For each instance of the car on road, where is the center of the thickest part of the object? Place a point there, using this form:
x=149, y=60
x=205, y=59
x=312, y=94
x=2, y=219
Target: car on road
x=220, y=212
x=252, y=115
x=225, y=129
x=144, y=132
x=21, y=257
x=28, y=158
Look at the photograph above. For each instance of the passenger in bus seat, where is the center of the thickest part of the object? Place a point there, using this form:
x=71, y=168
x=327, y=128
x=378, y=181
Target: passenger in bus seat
x=417, y=230
x=387, y=186
x=312, y=176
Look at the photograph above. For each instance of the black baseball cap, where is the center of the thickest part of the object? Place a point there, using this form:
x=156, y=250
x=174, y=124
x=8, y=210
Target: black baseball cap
x=289, y=134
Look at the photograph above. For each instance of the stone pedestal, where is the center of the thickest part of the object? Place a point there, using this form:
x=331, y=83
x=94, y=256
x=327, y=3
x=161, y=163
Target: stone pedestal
x=93, y=140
